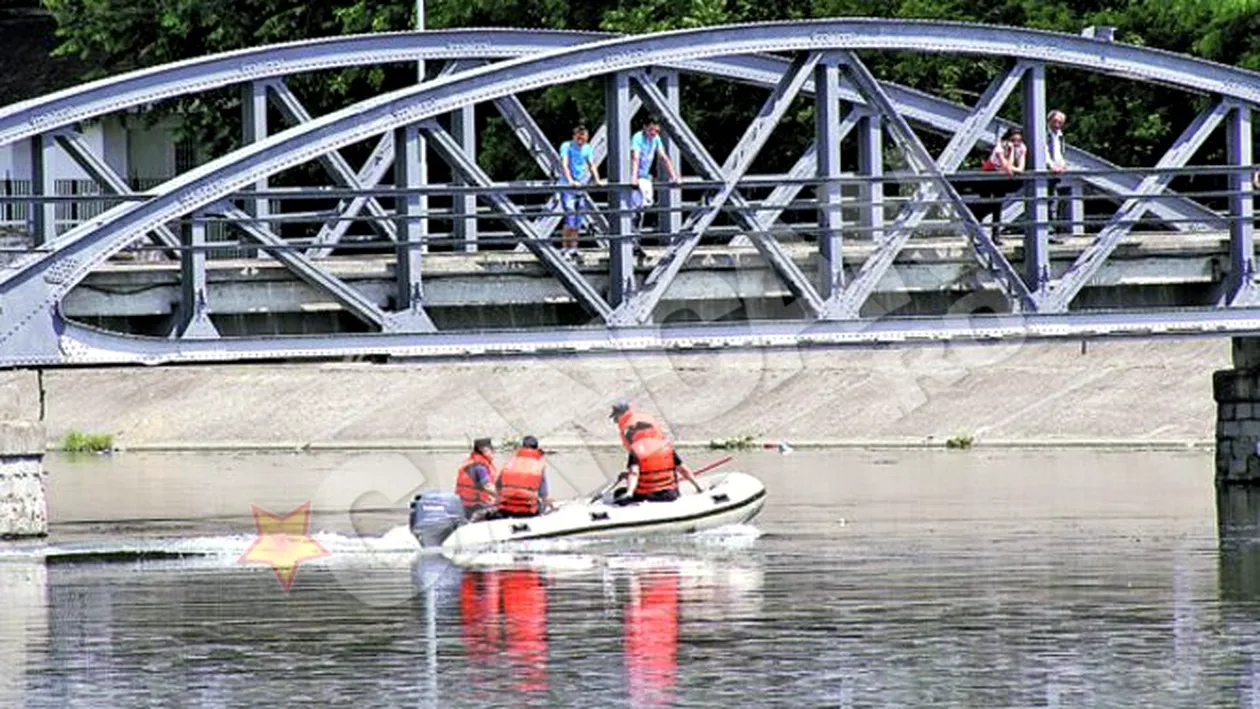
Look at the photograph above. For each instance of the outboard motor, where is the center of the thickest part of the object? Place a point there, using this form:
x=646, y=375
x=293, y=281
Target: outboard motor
x=434, y=515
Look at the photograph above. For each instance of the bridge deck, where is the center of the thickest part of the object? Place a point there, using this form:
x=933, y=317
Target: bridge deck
x=486, y=278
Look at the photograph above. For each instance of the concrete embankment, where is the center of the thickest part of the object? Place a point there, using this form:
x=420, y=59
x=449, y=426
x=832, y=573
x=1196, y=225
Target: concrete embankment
x=1069, y=393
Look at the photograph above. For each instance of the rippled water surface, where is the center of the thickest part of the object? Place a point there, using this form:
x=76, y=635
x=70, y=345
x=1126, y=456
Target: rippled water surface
x=872, y=578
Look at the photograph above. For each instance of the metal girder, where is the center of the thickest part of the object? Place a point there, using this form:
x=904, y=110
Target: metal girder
x=408, y=210
x=341, y=172
x=670, y=196
x=106, y=177
x=84, y=345
x=464, y=129
x=848, y=303
x=828, y=170
x=695, y=152
x=638, y=309
x=1065, y=288
x=871, y=166
x=75, y=253
x=374, y=169
x=136, y=88
x=1242, y=247
x=43, y=215
x=193, y=320
x=254, y=129
x=621, y=173
x=573, y=281
x=354, y=301
x=1036, y=236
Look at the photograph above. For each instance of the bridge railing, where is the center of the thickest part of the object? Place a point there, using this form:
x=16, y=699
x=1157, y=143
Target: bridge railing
x=298, y=213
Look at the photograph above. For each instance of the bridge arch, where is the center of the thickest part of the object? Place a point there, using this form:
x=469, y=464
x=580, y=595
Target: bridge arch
x=71, y=256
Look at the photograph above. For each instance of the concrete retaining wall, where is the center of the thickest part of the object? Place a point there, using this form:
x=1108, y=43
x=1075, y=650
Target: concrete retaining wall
x=23, y=481
x=1053, y=394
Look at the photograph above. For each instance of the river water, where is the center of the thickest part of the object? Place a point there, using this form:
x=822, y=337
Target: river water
x=873, y=578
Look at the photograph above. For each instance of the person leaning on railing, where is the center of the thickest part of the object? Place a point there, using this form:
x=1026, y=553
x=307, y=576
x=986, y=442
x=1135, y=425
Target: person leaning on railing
x=1008, y=156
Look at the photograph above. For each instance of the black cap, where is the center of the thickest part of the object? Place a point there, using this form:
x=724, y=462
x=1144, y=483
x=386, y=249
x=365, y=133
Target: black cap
x=620, y=406
x=529, y=442
x=483, y=443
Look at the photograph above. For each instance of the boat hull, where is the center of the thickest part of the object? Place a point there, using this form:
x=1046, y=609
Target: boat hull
x=729, y=498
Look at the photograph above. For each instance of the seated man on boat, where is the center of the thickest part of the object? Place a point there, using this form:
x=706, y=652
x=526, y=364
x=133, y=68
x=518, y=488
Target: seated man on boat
x=633, y=425
x=653, y=468
x=476, y=481
x=523, y=483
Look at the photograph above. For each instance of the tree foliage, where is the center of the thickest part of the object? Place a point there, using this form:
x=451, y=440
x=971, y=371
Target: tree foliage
x=1129, y=125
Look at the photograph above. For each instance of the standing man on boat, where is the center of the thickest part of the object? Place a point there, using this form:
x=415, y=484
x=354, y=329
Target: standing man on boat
x=633, y=425
x=476, y=479
x=523, y=483
x=653, y=469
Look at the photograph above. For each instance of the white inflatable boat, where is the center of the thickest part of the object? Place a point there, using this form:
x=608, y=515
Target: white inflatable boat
x=437, y=518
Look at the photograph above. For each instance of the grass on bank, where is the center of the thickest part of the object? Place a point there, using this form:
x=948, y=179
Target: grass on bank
x=960, y=441
x=79, y=442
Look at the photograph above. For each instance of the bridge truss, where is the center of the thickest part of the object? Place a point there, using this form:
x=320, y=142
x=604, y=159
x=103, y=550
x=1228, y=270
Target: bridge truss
x=831, y=303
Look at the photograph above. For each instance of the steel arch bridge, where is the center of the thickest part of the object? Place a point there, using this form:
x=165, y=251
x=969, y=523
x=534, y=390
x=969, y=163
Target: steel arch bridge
x=494, y=65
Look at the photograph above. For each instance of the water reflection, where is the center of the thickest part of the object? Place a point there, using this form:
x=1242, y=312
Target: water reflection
x=1238, y=528
x=23, y=625
x=525, y=617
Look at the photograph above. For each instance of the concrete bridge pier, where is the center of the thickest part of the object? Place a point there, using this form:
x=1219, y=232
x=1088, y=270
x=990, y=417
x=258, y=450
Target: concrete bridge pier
x=1237, y=394
x=23, y=479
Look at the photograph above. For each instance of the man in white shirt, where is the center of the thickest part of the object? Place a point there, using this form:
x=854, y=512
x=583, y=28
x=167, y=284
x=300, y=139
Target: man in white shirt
x=1057, y=164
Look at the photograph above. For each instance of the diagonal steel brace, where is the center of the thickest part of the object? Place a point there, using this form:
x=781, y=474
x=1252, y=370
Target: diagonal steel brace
x=638, y=308
x=847, y=304
x=468, y=170
x=1067, y=286
x=695, y=153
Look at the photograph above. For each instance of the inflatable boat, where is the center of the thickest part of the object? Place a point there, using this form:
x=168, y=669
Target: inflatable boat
x=437, y=518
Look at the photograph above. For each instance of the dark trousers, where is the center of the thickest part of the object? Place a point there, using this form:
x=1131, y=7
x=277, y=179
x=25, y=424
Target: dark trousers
x=660, y=496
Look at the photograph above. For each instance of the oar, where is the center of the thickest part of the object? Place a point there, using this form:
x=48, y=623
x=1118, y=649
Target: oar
x=714, y=464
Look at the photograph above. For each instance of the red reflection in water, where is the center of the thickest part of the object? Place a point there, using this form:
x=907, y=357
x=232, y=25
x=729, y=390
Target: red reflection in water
x=651, y=638
x=506, y=611
x=525, y=613
x=504, y=615
x=479, y=612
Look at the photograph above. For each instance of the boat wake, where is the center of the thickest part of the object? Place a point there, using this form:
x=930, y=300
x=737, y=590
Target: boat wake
x=395, y=547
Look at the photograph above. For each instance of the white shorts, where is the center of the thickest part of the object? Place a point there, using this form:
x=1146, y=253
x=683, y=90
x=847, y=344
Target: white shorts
x=646, y=189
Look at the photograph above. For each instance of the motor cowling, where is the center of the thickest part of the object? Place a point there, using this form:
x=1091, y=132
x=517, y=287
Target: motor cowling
x=434, y=515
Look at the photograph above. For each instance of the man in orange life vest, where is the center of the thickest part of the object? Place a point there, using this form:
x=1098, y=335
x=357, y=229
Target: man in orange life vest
x=523, y=483
x=653, y=465
x=476, y=479
x=632, y=425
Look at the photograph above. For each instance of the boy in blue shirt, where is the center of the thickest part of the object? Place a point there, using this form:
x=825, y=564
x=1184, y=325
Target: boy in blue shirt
x=577, y=162
x=644, y=147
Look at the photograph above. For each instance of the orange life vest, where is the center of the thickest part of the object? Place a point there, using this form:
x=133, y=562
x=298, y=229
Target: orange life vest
x=656, y=465
x=466, y=485
x=633, y=425
x=519, y=482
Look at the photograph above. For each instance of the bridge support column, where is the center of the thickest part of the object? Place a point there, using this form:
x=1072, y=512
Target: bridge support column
x=1237, y=394
x=620, y=172
x=23, y=481
x=671, y=197
x=464, y=128
x=43, y=215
